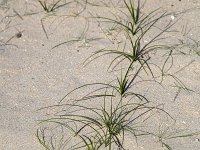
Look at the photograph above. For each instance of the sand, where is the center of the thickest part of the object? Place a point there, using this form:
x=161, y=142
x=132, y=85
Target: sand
x=33, y=75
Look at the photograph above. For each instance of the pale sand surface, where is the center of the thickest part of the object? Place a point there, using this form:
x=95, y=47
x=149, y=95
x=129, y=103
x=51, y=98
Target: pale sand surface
x=33, y=75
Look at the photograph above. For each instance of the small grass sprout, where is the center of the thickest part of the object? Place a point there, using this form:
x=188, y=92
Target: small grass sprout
x=53, y=6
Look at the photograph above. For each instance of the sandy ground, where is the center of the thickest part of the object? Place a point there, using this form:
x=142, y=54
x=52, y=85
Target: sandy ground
x=33, y=75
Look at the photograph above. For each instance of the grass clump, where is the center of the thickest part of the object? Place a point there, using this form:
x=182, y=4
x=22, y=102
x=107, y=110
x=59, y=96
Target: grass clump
x=135, y=27
x=106, y=125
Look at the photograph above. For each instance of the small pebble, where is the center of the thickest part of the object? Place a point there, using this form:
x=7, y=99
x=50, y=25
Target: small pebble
x=18, y=35
x=197, y=140
x=184, y=122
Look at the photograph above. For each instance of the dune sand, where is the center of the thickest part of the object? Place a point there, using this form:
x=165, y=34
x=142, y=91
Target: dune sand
x=33, y=75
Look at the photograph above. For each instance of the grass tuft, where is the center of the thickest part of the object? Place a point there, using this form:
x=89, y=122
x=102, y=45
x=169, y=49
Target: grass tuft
x=52, y=6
